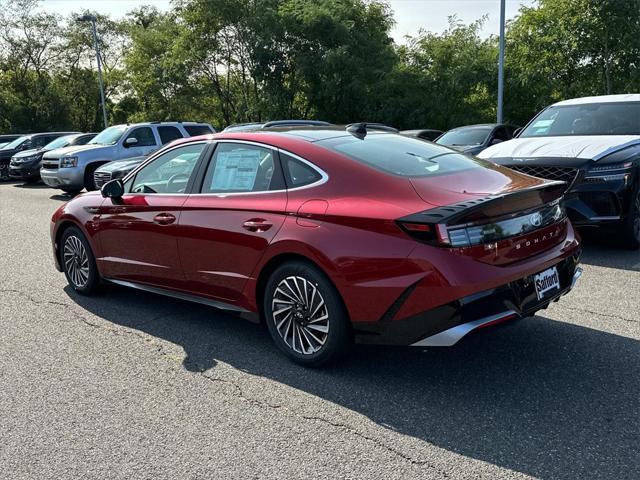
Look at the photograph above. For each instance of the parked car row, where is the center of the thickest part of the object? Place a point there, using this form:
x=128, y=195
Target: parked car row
x=68, y=160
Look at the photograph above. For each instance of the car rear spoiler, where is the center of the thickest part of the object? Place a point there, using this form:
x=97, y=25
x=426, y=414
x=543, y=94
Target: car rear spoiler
x=491, y=206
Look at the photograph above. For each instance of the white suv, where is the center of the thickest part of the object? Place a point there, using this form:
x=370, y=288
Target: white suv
x=71, y=169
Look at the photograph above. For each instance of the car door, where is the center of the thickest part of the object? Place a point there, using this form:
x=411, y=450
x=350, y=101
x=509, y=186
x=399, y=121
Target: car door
x=145, y=143
x=228, y=224
x=137, y=233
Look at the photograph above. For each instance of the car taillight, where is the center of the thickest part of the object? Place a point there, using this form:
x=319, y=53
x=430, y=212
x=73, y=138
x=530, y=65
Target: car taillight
x=492, y=230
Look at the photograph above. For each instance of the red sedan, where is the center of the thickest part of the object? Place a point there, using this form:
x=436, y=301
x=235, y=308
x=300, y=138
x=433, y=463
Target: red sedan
x=328, y=234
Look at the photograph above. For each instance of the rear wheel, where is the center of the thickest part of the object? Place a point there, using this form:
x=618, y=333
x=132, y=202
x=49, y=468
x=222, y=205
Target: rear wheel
x=305, y=315
x=78, y=262
x=631, y=226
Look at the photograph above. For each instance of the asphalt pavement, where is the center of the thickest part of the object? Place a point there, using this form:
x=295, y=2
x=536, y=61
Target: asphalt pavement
x=129, y=384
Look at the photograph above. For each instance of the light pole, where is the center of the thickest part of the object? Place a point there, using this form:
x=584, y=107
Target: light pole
x=92, y=19
x=501, y=62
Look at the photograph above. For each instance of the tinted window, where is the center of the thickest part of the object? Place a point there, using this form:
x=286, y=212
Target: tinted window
x=621, y=118
x=241, y=168
x=82, y=140
x=39, y=142
x=168, y=134
x=58, y=143
x=298, y=173
x=144, y=135
x=465, y=136
x=401, y=155
x=501, y=133
x=168, y=173
x=194, y=130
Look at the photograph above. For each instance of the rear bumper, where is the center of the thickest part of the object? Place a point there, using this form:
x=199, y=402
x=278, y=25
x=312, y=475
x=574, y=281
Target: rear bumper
x=446, y=324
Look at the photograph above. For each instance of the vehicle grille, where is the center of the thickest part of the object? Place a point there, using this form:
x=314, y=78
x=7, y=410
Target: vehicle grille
x=50, y=164
x=100, y=178
x=566, y=174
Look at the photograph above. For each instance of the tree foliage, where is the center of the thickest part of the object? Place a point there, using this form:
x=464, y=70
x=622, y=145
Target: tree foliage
x=226, y=61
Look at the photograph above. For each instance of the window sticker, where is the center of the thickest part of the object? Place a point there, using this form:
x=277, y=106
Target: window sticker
x=543, y=123
x=236, y=170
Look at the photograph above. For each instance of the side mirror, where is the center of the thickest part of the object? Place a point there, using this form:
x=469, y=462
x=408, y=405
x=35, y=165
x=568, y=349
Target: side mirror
x=113, y=189
x=495, y=141
x=516, y=132
x=130, y=142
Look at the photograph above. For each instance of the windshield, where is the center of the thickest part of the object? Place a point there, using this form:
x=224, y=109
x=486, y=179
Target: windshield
x=620, y=118
x=108, y=136
x=16, y=143
x=465, y=136
x=400, y=155
x=58, y=143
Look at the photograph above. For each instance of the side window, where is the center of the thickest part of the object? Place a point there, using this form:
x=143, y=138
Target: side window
x=242, y=168
x=297, y=173
x=39, y=142
x=168, y=173
x=144, y=137
x=501, y=134
x=194, y=130
x=168, y=134
x=82, y=140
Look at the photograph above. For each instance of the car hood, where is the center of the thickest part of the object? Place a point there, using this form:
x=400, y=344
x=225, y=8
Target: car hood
x=7, y=154
x=66, y=151
x=472, y=184
x=127, y=164
x=29, y=153
x=588, y=147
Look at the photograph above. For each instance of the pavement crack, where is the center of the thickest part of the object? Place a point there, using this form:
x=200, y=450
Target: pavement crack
x=601, y=314
x=238, y=392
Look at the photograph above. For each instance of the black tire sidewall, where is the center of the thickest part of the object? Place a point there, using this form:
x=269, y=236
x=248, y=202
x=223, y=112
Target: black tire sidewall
x=340, y=333
x=94, y=276
x=89, y=182
x=630, y=239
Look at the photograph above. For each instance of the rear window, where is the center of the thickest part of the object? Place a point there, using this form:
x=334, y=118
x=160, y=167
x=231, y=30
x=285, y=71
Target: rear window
x=465, y=136
x=194, y=130
x=403, y=156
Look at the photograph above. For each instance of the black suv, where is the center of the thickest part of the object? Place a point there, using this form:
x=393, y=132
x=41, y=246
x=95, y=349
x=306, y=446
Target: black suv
x=25, y=165
x=25, y=142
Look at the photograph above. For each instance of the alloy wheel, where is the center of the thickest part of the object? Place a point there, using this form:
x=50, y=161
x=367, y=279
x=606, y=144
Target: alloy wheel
x=76, y=261
x=300, y=315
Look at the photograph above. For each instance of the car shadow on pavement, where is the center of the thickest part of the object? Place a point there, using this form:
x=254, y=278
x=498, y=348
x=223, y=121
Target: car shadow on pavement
x=538, y=396
x=599, y=250
x=32, y=186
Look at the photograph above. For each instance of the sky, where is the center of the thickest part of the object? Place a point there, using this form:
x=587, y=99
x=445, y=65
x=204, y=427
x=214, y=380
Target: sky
x=410, y=15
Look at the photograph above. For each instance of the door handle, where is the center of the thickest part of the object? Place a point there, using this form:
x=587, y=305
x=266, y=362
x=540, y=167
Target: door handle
x=257, y=225
x=164, y=219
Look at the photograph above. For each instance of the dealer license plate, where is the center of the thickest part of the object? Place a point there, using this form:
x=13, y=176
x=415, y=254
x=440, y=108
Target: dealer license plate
x=547, y=282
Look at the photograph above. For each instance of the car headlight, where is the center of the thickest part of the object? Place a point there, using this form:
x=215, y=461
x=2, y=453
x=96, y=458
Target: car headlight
x=614, y=171
x=67, y=162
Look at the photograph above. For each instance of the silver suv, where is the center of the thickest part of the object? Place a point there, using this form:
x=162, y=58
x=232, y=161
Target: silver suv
x=71, y=169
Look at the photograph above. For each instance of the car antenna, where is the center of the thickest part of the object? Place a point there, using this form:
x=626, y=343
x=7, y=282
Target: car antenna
x=358, y=130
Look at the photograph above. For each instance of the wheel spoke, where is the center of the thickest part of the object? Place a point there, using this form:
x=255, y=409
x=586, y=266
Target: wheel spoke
x=300, y=315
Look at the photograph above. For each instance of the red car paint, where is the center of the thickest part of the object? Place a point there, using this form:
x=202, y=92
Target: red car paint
x=217, y=246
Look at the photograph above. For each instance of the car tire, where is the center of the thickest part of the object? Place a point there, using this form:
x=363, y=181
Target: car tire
x=71, y=191
x=78, y=262
x=631, y=226
x=89, y=182
x=4, y=172
x=305, y=315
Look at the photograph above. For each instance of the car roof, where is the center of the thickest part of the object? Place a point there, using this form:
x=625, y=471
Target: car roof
x=146, y=124
x=625, y=97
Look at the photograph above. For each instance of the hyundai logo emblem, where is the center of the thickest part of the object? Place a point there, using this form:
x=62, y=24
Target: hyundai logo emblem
x=536, y=219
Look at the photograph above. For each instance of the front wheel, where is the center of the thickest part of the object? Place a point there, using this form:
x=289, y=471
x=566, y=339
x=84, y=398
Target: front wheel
x=305, y=315
x=631, y=227
x=78, y=262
